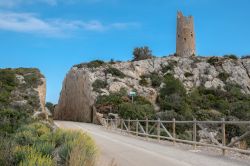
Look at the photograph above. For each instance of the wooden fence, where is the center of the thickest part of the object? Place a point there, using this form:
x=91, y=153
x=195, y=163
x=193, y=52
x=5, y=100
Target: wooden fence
x=167, y=130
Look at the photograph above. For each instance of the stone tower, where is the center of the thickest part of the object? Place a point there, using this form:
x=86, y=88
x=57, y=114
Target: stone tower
x=185, y=36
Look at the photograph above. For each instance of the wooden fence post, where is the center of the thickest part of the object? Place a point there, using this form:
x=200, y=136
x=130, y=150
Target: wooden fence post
x=194, y=132
x=174, y=132
x=158, y=129
x=116, y=123
x=107, y=124
x=137, y=126
x=147, y=128
x=122, y=125
x=223, y=136
x=129, y=126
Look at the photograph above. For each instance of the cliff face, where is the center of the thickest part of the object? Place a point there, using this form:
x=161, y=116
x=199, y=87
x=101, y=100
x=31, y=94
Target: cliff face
x=78, y=97
x=22, y=89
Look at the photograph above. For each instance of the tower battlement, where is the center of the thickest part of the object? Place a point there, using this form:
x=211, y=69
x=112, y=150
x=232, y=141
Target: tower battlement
x=185, y=36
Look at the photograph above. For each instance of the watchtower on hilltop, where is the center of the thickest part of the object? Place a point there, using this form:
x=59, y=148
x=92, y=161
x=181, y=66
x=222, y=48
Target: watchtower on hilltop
x=185, y=36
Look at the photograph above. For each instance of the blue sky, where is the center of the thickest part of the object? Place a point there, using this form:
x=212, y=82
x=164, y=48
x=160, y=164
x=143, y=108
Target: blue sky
x=53, y=35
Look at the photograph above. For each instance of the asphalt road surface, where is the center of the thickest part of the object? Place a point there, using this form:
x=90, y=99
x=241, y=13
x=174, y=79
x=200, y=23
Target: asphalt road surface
x=123, y=150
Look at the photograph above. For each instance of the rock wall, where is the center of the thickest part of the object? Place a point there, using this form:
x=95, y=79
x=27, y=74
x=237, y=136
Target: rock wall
x=77, y=96
x=41, y=89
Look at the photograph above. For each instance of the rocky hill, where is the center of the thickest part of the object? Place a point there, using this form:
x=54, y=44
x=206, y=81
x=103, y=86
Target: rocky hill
x=23, y=90
x=86, y=84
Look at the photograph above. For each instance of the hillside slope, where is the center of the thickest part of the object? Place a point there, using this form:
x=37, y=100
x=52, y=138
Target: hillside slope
x=85, y=83
x=22, y=89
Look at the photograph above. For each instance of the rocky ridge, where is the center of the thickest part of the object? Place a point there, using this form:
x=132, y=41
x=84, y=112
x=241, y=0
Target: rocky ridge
x=23, y=89
x=78, y=96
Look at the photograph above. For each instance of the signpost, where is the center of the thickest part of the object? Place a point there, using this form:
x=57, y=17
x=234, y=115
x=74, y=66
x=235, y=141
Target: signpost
x=132, y=94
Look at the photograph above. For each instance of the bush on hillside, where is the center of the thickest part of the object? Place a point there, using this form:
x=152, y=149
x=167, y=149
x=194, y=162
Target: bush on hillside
x=7, y=84
x=51, y=107
x=245, y=57
x=115, y=72
x=142, y=53
x=213, y=61
x=91, y=64
x=11, y=119
x=231, y=56
x=38, y=144
x=223, y=76
x=143, y=81
x=155, y=80
x=99, y=84
x=136, y=111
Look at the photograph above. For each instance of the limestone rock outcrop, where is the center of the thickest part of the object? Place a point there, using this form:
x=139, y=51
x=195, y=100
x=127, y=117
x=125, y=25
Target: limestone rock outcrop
x=78, y=97
x=26, y=90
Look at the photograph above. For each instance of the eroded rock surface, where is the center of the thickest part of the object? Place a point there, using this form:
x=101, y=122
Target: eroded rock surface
x=78, y=97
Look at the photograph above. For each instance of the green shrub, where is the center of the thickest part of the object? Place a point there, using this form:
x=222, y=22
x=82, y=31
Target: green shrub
x=213, y=60
x=20, y=153
x=135, y=111
x=245, y=57
x=99, y=84
x=11, y=119
x=167, y=68
x=6, y=151
x=115, y=72
x=172, y=85
x=7, y=84
x=155, y=79
x=223, y=76
x=45, y=148
x=25, y=71
x=143, y=81
x=78, y=146
x=50, y=106
x=109, y=102
x=231, y=56
x=37, y=160
x=7, y=79
x=95, y=64
x=186, y=135
x=188, y=74
x=204, y=115
x=173, y=97
x=32, y=80
x=25, y=138
x=37, y=128
x=140, y=100
x=57, y=137
x=142, y=53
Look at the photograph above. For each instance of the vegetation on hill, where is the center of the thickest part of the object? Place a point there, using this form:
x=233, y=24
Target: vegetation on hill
x=141, y=53
x=19, y=85
x=121, y=104
x=28, y=141
x=37, y=144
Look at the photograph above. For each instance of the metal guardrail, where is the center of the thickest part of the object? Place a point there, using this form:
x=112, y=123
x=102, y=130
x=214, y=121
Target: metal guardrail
x=166, y=130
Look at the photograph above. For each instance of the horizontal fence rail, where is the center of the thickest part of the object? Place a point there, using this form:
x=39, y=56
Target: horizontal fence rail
x=167, y=130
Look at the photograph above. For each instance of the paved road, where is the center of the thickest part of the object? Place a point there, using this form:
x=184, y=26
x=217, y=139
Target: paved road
x=130, y=151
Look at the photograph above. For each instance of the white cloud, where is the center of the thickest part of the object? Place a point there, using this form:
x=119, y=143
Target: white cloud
x=31, y=23
x=14, y=3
